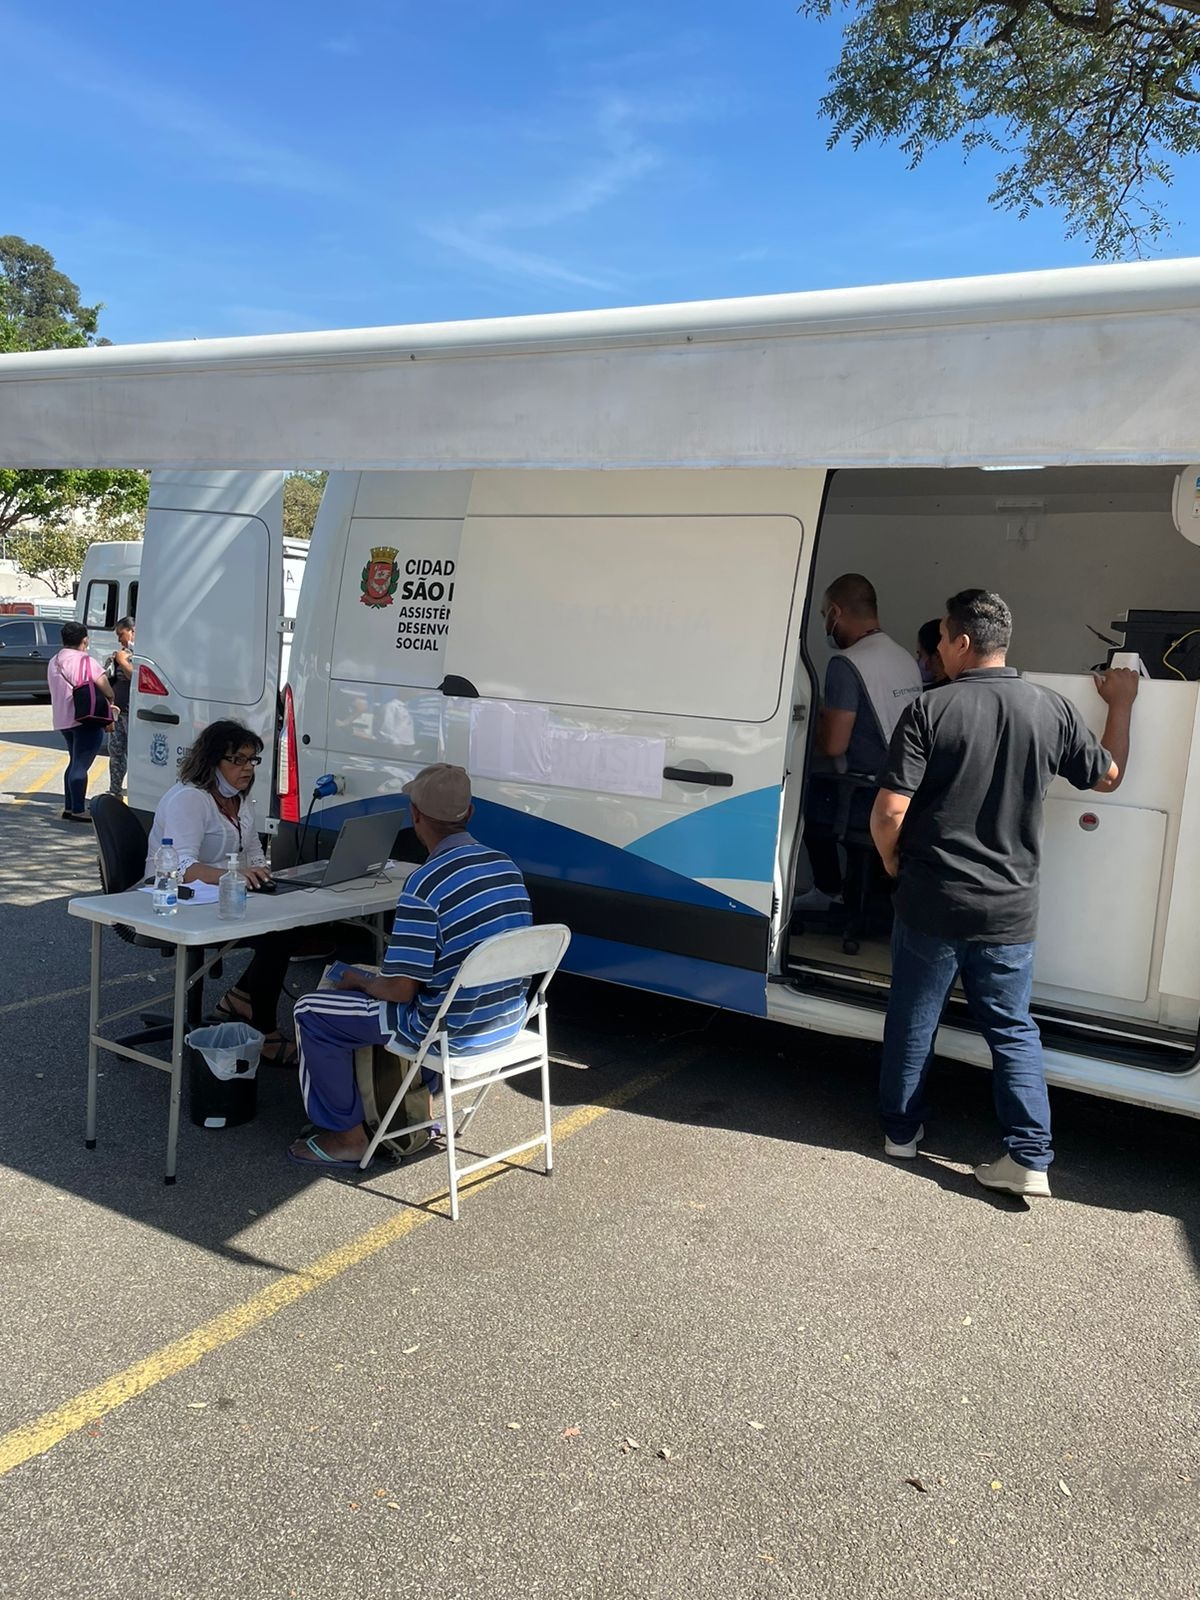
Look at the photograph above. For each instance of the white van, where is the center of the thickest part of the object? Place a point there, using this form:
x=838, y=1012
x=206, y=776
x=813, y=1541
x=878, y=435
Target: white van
x=583, y=555
x=220, y=587
x=627, y=665
x=108, y=591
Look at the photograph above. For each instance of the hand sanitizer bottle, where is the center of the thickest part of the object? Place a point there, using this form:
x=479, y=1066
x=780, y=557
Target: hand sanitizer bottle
x=231, y=893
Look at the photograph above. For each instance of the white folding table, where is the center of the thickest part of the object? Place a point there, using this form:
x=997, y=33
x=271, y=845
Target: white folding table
x=195, y=929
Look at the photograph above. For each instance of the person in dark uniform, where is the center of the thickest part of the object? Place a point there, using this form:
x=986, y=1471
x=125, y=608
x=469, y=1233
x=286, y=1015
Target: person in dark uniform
x=958, y=823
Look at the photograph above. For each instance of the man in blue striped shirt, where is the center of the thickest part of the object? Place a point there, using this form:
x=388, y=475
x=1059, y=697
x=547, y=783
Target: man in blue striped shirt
x=464, y=893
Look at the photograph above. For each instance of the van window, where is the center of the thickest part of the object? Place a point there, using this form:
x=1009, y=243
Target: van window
x=133, y=594
x=101, y=609
x=686, y=616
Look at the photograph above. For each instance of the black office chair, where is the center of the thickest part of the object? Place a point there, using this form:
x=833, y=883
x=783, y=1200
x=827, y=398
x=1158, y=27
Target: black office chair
x=864, y=877
x=848, y=824
x=122, y=844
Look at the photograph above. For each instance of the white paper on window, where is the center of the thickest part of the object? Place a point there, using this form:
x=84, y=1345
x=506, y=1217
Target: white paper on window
x=509, y=741
x=517, y=742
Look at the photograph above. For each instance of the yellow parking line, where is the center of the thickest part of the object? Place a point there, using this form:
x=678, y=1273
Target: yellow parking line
x=35, y=1438
x=97, y=774
x=31, y=755
x=98, y=770
x=40, y=783
x=70, y=994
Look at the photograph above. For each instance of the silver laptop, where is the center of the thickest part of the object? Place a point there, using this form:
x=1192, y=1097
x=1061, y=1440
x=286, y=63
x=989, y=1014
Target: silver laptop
x=361, y=850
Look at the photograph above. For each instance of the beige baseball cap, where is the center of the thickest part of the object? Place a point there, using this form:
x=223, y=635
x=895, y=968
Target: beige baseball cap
x=442, y=792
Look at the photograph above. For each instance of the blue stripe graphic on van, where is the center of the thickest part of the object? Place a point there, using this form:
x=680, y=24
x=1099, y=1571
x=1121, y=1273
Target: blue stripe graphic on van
x=733, y=839
x=683, y=976
x=550, y=850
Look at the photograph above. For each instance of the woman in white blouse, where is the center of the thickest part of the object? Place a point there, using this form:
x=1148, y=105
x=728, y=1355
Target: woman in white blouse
x=208, y=816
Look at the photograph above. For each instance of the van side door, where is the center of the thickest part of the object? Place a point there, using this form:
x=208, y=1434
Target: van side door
x=620, y=661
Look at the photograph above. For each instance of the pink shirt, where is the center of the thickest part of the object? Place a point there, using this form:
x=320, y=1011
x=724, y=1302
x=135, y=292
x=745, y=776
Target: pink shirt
x=67, y=670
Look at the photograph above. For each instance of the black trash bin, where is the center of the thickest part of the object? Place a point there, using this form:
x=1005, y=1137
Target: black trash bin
x=223, y=1074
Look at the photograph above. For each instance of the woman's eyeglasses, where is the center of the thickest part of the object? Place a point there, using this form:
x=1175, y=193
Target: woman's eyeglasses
x=244, y=761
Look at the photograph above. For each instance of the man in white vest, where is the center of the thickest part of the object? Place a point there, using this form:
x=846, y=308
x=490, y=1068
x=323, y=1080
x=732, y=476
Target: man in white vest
x=869, y=683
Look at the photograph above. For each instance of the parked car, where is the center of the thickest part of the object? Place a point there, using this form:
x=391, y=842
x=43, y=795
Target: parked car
x=27, y=645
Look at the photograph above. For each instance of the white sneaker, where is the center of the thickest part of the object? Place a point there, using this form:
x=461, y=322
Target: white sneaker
x=816, y=900
x=1013, y=1178
x=904, y=1152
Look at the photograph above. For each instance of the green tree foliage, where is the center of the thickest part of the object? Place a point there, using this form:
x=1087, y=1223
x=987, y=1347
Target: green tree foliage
x=40, y=309
x=55, y=551
x=80, y=498
x=1083, y=105
x=302, y=493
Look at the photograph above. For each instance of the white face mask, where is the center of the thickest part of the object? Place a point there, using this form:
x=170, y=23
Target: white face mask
x=224, y=788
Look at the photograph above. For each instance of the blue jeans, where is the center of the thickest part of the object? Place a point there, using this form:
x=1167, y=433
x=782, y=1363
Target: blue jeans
x=997, y=980
x=83, y=746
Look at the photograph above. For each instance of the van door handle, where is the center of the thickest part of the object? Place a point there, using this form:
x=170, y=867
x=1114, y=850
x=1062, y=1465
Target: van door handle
x=718, y=780
x=158, y=716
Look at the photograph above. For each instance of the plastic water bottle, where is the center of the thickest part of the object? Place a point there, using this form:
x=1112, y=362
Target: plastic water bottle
x=166, y=880
x=231, y=893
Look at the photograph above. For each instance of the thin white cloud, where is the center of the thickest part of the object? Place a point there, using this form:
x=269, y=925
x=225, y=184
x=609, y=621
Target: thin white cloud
x=615, y=100
x=622, y=155
x=225, y=148
x=511, y=262
x=626, y=158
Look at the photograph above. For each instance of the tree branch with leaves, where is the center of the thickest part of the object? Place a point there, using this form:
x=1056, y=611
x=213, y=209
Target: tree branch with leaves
x=56, y=514
x=1084, y=106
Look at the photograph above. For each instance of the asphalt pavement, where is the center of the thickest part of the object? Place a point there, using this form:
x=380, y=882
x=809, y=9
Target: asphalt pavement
x=727, y=1350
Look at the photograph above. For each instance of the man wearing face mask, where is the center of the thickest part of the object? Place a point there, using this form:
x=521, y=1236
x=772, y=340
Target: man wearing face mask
x=869, y=682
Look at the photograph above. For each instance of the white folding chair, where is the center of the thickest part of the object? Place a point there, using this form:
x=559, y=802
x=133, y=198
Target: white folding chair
x=523, y=954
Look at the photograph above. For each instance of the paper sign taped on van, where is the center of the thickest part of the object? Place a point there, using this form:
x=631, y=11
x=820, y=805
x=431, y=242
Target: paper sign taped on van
x=518, y=742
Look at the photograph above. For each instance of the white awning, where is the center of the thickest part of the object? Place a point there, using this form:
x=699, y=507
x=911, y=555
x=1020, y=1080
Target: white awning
x=1093, y=364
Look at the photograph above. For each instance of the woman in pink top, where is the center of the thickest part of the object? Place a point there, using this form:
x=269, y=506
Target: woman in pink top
x=67, y=670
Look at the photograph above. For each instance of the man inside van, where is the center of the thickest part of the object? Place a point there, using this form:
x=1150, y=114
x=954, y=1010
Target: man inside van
x=958, y=822
x=869, y=682
x=461, y=895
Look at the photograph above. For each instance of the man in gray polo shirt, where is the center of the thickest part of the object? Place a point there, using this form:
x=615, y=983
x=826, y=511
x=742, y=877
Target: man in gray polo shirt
x=958, y=820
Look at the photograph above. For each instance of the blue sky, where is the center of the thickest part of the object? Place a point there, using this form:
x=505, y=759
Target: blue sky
x=257, y=167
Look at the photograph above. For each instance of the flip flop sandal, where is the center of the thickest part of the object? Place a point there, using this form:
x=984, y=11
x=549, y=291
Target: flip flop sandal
x=228, y=1013
x=283, y=1053
x=320, y=1158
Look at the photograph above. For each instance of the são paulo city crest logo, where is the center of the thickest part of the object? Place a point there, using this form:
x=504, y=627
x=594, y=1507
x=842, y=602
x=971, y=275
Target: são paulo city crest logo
x=380, y=577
